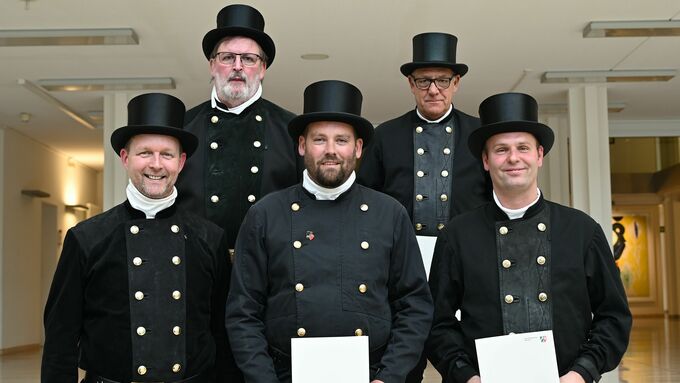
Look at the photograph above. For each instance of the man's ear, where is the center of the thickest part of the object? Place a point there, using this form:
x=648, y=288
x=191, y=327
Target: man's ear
x=301, y=145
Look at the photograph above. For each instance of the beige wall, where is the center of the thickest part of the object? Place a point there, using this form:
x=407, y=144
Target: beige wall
x=27, y=164
x=633, y=155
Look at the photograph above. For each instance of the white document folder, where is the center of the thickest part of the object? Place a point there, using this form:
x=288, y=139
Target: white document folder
x=518, y=358
x=342, y=359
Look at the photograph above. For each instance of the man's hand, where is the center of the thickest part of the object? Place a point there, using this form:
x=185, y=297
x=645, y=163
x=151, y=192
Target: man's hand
x=475, y=379
x=572, y=377
x=377, y=381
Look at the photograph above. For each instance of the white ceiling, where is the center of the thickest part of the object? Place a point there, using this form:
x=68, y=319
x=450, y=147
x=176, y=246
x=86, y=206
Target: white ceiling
x=367, y=41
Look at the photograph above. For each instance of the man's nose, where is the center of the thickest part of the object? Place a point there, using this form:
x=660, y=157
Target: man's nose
x=238, y=65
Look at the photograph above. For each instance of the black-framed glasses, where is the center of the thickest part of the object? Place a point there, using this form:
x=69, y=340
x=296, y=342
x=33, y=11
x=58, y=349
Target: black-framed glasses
x=424, y=83
x=229, y=58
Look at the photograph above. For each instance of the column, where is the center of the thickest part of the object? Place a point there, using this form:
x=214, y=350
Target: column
x=115, y=176
x=554, y=177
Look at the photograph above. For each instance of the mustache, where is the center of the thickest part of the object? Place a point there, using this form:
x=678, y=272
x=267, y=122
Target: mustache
x=237, y=76
x=327, y=157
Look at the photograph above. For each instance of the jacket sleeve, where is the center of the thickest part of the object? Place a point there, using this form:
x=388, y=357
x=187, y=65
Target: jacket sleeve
x=445, y=347
x=246, y=303
x=612, y=320
x=371, y=172
x=63, y=315
x=410, y=301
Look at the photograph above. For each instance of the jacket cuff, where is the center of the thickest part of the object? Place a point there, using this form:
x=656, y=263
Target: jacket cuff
x=461, y=372
x=586, y=368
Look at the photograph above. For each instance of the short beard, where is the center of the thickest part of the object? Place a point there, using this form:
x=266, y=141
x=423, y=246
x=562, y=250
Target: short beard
x=330, y=182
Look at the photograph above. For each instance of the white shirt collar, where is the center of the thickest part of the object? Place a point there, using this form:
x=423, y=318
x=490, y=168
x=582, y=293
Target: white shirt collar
x=437, y=120
x=325, y=194
x=516, y=213
x=237, y=109
x=149, y=206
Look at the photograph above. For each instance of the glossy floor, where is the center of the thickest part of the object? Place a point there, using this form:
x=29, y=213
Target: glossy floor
x=653, y=357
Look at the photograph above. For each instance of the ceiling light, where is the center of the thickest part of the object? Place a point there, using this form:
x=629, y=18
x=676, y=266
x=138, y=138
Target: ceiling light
x=37, y=90
x=77, y=207
x=650, y=28
x=35, y=193
x=98, y=84
x=607, y=76
x=35, y=37
x=314, y=56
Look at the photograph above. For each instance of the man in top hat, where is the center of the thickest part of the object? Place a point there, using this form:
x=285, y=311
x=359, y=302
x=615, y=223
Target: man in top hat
x=328, y=257
x=139, y=292
x=420, y=158
x=244, y=150
x=522, y=263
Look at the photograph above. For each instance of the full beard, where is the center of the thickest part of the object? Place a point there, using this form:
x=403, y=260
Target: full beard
x=236, y=93
x=330, y=178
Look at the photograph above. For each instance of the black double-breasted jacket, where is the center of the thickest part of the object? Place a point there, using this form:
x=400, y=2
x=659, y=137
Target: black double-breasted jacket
x=311, y=268
x=136, y=299
x=388, y=164
x=550, y=270
x=239, y=159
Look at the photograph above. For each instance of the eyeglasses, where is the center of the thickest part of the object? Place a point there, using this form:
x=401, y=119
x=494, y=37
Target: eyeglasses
x=229, y=58
x=424, y=83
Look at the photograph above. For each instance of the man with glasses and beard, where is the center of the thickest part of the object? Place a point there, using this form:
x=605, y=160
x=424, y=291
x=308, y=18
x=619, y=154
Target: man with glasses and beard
x=244, y=149
x=328, y=257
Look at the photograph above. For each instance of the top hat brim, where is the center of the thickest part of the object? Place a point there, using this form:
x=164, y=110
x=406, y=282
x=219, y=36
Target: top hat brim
x=213, y=37
x=364, y=128
x=479, y=136
x=457, y=68
x=121, y=136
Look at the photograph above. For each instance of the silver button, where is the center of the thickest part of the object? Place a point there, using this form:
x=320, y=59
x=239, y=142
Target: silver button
x=364, y=245
x=174, y=229
x=254, y=169
x=139, y=295
x=445, y=173
x=419, y=197
x=137, y=261
x=134, y=229
x=440, y=226
x=258, y=118
x=507, y=263
x=364, y=207
x=420, y=173
x=251, y=198
x=176, y=330
x=363, y=288
x=176, y=260
x=542, y=297
x=257, y=144
x=141, y=370
x=358, y=332
x=449, y=129
x=444, y=197
x=509, y=298
x=214, y=119
x=176, y=367
x=176, y=295
x=420, y=151
x=299, y=287
x=141, y=331
x=297, y=244
x=295, y=206
x=301, y=331
x=447, y=151
x=419, y=226
x=503, y=230
x=419, y=129
x=541, y=226
x=214, y=199
x=540, y=260
x=214, y=145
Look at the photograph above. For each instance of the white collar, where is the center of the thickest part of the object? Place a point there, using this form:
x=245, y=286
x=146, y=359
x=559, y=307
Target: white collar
x=237, y=109
x=437, y=120
x=325, y=194
x=516, y=213
x=149, y=206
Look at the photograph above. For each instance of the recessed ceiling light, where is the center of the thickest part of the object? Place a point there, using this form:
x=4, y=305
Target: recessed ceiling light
x=595, y=76
x=42, y=37
x=314, y=56
x=651, y=28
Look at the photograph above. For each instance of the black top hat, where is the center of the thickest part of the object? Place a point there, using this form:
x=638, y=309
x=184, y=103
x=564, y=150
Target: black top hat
x=155, y=113
x=509, y=112
x=332, y=100
x=434, y=49
x=240, y=20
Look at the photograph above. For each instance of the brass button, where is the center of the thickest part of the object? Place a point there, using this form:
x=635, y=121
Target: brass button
x=297, y=244
x=295, y=206
x=214, y=119
x=419, y=226
x=541, y=226
x=364, y=245
x=364, y=207
x=509, y=298
x=440, y=226
x=257, y=144
x=141, y=370
x=363, y=288
x=420, y=151
x=299, y=287
x=137, y=261
x=419, y=197
x=445, y=173
x=215, y=199
x=358, y=332
x=176, y=367
x=301, y=331
x=134, y=229
x=419, y=129
x=254, y=169
x=449, y=129
x=139, y=295
x=503, y=230
x=141, y=331
x=447, y=151
x=506, y=263
x=258, y=118
x=214, y=145
x=176, y=260
x=542, y=297
x=176, y=330
x=251, y=198
x=420, y=173
x=176, y=295
x=540, y=260
x=444, y=197
x=174, y=229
